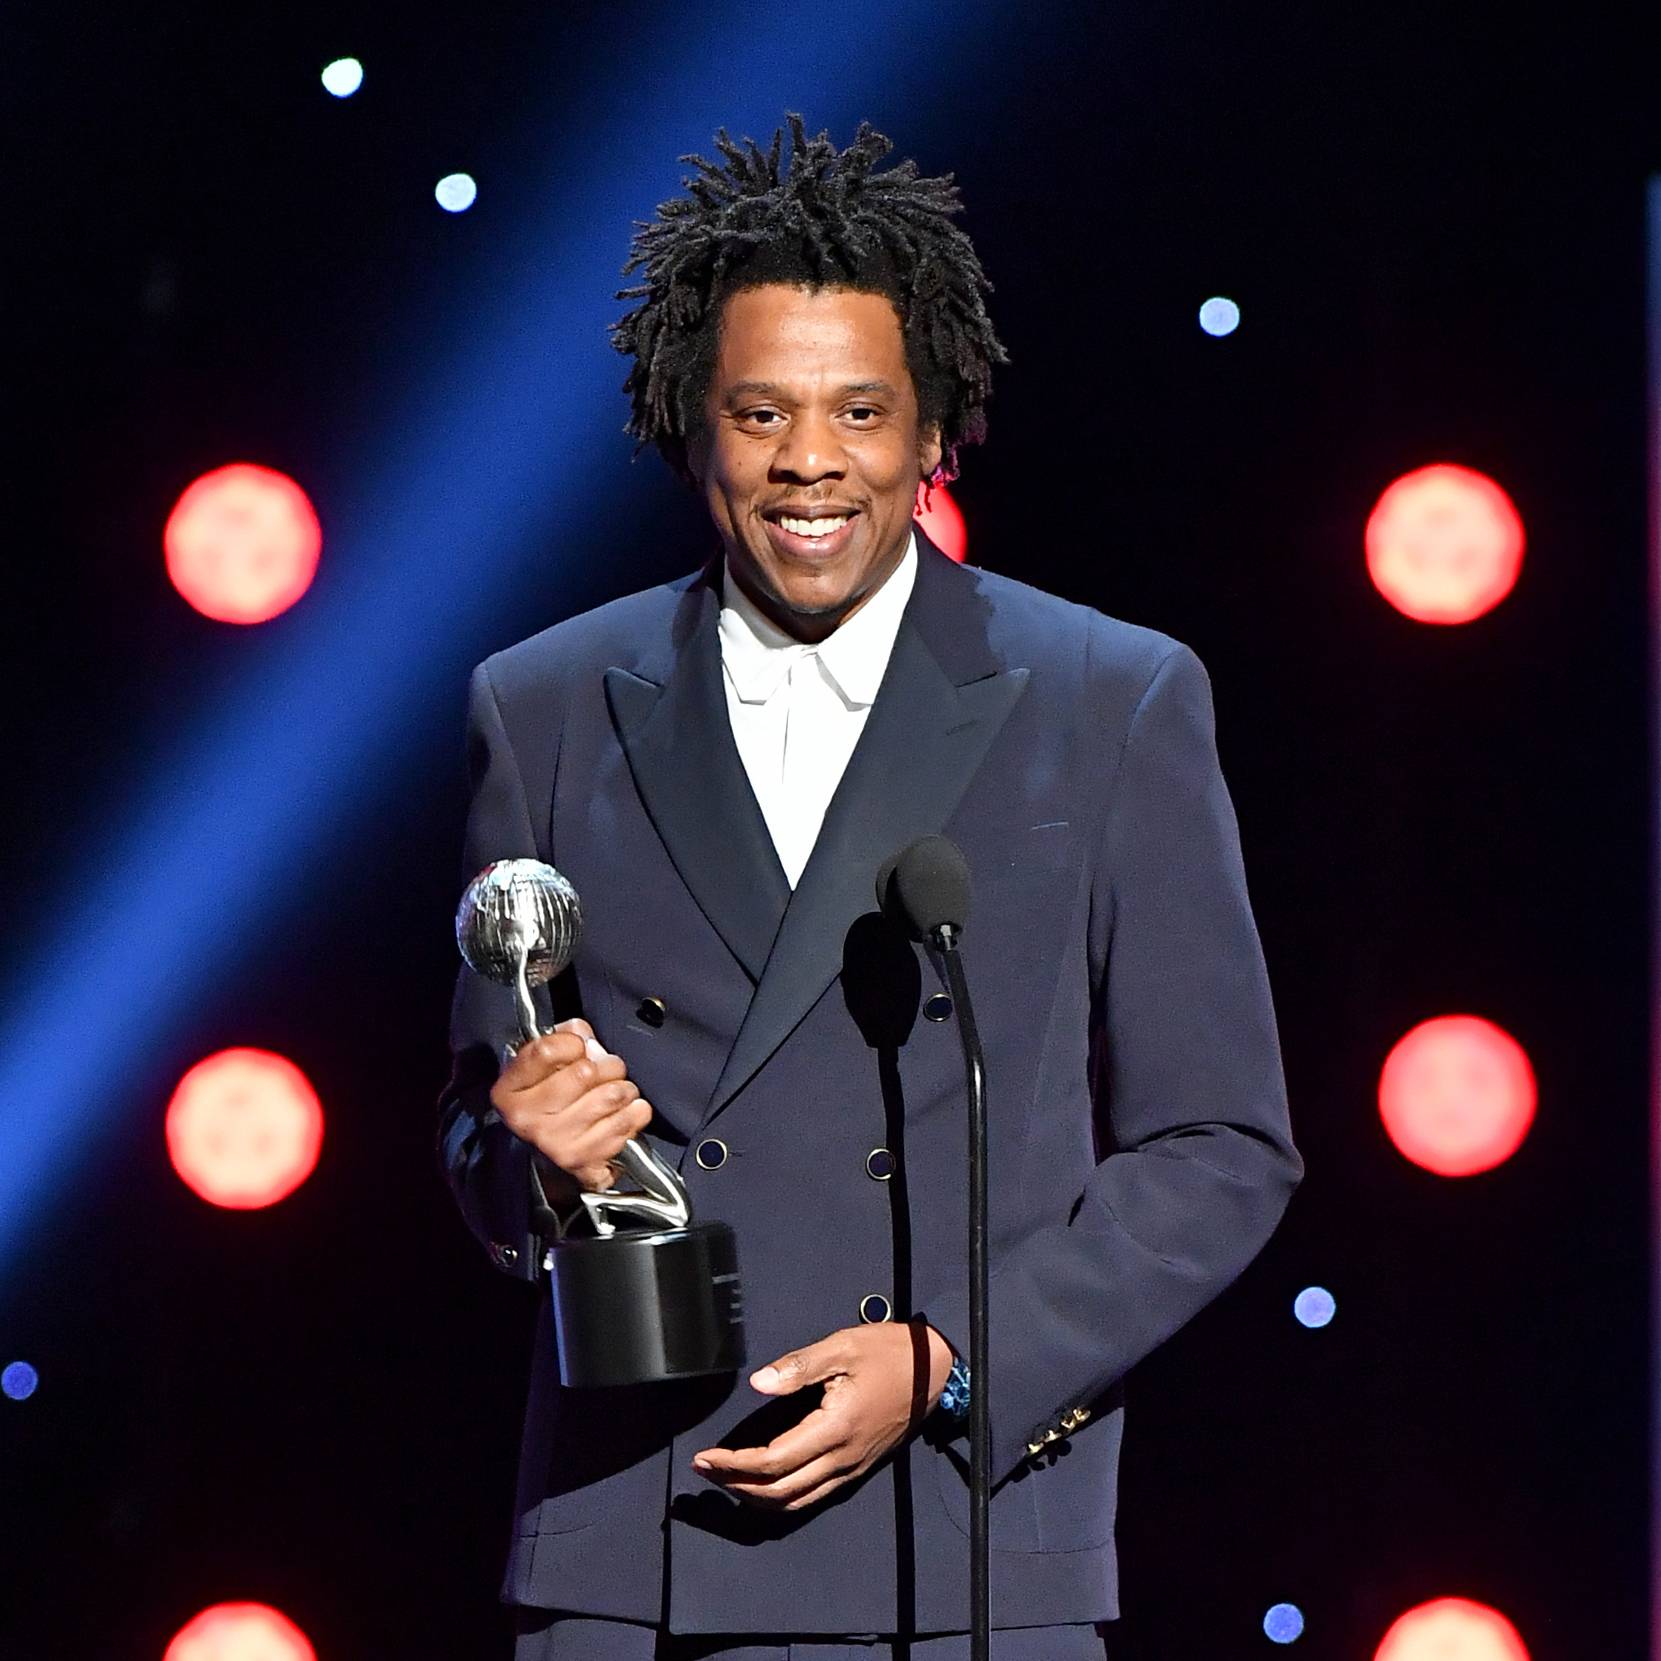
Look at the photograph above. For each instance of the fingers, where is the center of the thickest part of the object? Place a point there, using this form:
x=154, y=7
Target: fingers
x=601, y=1141
x=592, y=1127
x=796, y=1469
x=542, y=1058
x=592, y=1047
x=800, y=1488
x=869, y=1375
x=811, y=1365
x=818, y=1434
x=571, y=1100
x=546, y=1077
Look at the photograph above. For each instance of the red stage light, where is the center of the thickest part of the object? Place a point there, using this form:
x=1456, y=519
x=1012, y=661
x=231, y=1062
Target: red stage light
x=242, y=543
x=1457, y=1095
x=240, y=1632
x=1444, y=544
x=942, y=521
x=1452, y=1629
x=244, y=1128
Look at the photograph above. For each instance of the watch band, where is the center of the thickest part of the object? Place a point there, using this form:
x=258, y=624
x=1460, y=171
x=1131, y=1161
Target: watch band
x=954, y=1399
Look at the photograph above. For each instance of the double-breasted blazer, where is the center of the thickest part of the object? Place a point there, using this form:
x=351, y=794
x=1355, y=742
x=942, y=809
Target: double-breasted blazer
x=1139, y=1144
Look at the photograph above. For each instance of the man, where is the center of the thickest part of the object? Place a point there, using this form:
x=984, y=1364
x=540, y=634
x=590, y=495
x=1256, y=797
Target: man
x=720, y=766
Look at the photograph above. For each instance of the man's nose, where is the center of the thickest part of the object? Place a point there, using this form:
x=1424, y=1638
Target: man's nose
x=809, y=452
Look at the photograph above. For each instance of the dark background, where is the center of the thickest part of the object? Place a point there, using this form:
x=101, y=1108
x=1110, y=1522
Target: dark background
x=1435, y=230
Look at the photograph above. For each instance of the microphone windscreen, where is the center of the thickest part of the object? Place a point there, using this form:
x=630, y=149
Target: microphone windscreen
x=927, y=886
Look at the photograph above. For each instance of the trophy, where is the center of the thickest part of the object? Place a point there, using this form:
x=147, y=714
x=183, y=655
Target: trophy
x=650, y=1294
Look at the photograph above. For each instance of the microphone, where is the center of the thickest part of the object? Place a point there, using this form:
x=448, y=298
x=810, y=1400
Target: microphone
x=925, y=889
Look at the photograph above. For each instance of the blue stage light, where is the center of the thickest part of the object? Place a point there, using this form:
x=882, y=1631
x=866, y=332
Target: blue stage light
x=501, y=471
x=456, y=192
x=343, y=77
x=1283, y=1623
x=1314, y=1306
x=1219, y=316
x=19, y=1381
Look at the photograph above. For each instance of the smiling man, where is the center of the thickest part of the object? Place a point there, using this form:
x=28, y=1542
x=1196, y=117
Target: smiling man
x=720, y=766
x=811, y=451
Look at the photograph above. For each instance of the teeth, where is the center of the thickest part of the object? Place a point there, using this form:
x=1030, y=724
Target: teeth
x=813, y=527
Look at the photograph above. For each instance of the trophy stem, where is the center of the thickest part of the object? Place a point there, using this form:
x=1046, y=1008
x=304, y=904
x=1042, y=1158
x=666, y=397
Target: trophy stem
x=529, y=1025
x=663, y=1200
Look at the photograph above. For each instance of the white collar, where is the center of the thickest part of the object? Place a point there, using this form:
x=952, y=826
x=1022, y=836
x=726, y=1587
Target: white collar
x=757, y=654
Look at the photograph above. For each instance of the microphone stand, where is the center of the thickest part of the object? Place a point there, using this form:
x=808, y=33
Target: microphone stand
x=980, y=1421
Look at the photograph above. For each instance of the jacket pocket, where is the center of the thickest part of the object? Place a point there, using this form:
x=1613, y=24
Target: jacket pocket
x=1013, y=1515
x=1065, y=1504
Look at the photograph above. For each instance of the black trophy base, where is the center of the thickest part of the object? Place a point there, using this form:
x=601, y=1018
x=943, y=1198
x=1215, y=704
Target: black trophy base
x=632, y=1308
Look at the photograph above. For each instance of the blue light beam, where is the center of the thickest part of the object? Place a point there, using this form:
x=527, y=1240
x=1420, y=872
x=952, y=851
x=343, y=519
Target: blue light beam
x=508, y=448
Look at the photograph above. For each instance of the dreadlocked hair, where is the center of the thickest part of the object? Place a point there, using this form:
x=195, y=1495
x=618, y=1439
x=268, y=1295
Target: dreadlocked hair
x=822, y=220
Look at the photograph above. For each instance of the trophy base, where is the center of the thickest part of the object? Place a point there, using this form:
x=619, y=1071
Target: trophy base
x=637, y=1307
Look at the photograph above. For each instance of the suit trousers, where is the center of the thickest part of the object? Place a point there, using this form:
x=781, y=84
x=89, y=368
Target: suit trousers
x=547, y=1635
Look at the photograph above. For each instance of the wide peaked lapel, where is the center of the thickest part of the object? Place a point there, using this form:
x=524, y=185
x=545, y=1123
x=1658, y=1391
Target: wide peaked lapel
x=943, y=700
x=671, y=717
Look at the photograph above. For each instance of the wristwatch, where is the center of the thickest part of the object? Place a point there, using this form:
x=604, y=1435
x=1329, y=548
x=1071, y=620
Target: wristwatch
x=954, y=1398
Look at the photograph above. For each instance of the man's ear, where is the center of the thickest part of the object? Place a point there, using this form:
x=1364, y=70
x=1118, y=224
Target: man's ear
x=929, y=451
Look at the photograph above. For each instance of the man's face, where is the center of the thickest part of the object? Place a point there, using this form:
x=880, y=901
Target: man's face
x=811, y=454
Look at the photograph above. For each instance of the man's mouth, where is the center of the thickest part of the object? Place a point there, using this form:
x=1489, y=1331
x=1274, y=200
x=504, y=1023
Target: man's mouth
x=810, y=534
x=813, y=527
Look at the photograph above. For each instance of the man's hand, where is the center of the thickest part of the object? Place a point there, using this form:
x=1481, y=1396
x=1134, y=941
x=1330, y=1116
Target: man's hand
x=577, y=1111
x=879, y=1381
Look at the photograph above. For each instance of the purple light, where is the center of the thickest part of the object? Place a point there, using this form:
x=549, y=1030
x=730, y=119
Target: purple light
x=19, y=1381
x=1314, y=1306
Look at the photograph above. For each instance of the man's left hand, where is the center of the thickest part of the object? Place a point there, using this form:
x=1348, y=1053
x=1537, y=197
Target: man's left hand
x=880, y=1381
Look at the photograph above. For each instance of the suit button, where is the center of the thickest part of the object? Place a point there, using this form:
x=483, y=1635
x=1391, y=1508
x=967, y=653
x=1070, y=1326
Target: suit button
x=506, y=1256
x=874, y=1307
x=711, y=1153
x=651, y=1012
x=880, y=1164
x=938, y=1008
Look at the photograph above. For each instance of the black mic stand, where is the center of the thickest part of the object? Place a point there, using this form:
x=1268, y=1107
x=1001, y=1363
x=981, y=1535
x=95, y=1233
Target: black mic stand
x=945, y=939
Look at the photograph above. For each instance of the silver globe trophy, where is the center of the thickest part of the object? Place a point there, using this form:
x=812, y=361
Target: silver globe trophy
x=658, y=1297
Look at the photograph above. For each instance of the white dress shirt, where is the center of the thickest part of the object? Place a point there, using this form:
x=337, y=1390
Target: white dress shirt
x=797, y=710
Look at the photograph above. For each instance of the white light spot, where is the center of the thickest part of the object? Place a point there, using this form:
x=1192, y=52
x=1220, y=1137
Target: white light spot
x=1283, y=1624
x=456, y=192
x=1219, y=316
x=1314, y=1306
x=343, y=77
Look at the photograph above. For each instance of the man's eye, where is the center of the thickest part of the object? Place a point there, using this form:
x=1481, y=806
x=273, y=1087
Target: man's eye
x=863, y=412
x=761, y=417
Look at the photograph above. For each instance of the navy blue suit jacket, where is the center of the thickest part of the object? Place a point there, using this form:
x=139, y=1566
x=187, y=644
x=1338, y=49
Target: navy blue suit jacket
x=1140, y=1150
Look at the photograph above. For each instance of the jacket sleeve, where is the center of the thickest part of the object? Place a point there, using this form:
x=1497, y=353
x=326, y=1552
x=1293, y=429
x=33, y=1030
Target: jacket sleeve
x=1190, y=1097
x=489, y=1169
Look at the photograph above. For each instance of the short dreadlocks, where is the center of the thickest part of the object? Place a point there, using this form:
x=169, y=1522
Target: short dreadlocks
x=825, y=221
